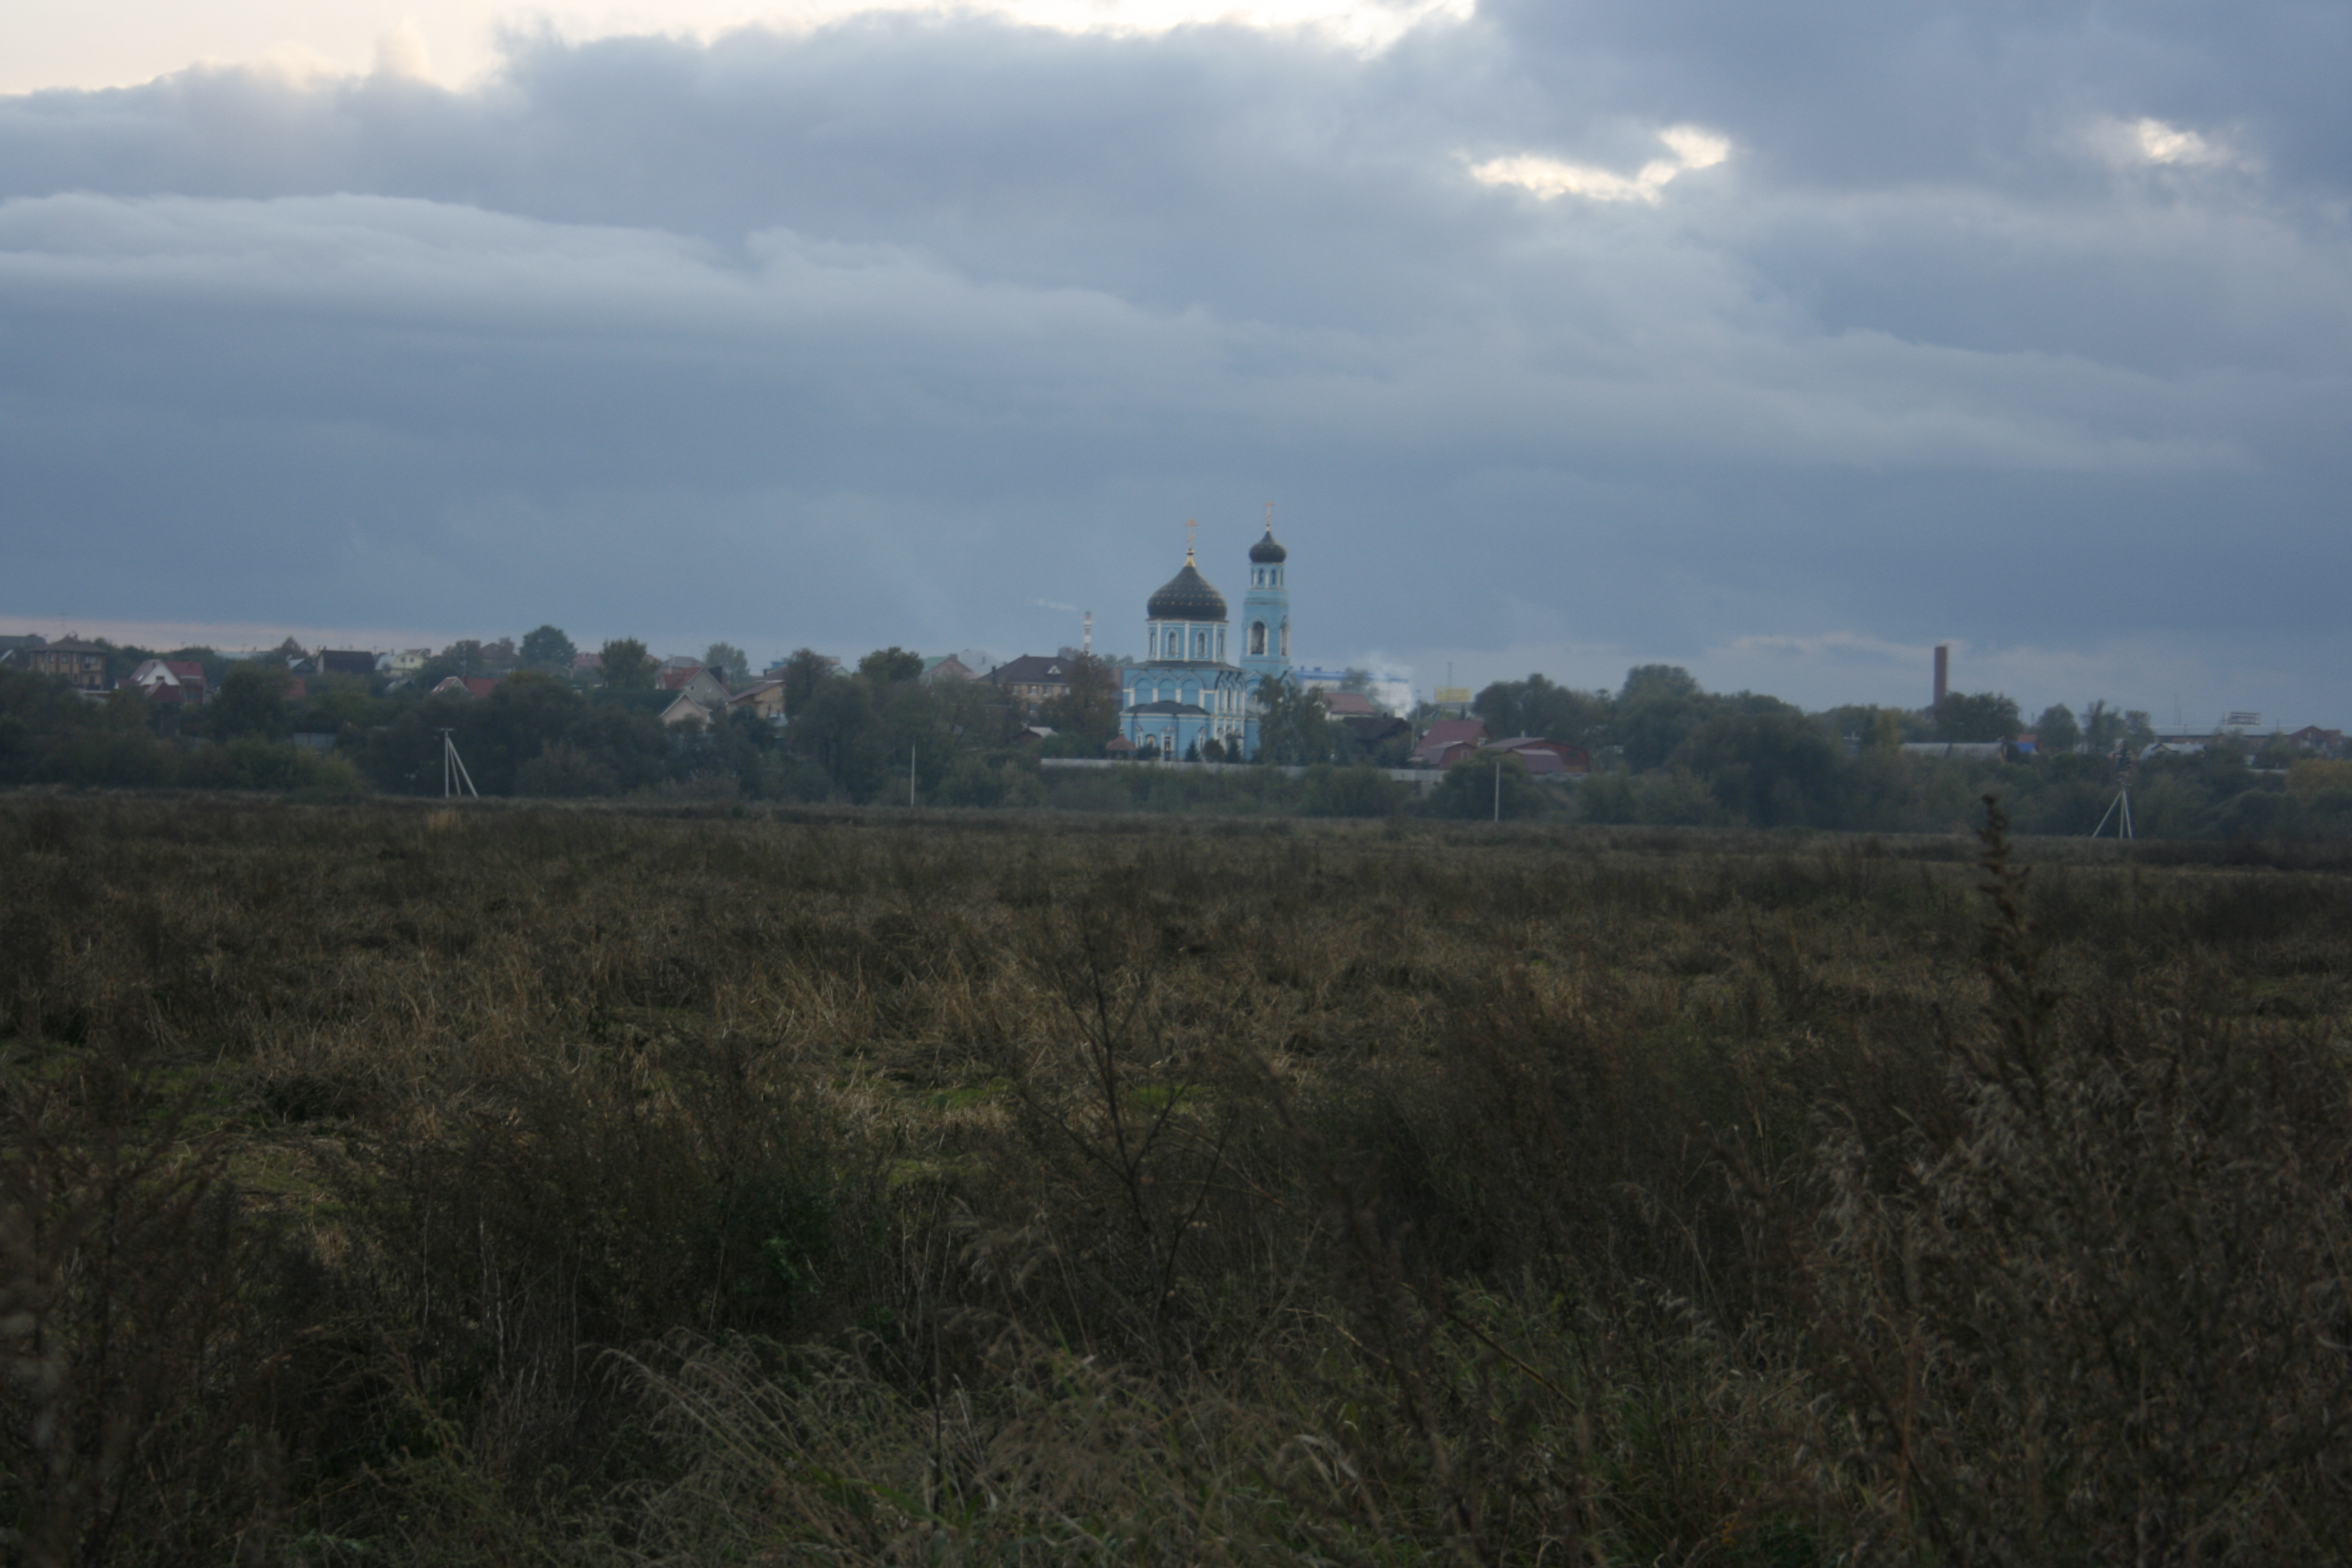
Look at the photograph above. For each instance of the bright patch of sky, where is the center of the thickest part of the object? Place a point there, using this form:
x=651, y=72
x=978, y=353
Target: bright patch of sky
x=91, y=44
x=1550, y=178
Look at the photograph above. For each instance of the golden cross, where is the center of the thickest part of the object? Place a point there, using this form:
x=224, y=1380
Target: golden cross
x=1191, y=525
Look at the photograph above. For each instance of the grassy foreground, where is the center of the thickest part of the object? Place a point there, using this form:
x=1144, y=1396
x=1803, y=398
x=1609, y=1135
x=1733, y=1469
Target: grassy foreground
x=387, y=1183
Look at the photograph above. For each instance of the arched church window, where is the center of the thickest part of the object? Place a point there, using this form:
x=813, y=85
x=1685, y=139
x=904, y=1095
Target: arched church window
x=1286, y=639
x=1257, y=638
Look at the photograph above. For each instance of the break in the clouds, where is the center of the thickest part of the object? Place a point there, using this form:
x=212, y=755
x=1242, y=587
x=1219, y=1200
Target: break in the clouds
x=1562, y=337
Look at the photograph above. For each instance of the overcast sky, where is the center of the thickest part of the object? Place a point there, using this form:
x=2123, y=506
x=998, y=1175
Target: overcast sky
x=1778, y=341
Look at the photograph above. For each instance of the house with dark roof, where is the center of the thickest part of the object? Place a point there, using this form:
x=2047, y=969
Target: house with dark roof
x=1032, y=680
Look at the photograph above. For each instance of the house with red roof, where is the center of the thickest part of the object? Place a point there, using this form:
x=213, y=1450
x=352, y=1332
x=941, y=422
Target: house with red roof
x=174, y=682
x=1447, y=742
x=1541, y=756
x=695, y=681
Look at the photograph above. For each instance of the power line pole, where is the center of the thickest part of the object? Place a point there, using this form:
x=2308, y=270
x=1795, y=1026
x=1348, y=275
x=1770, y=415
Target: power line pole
x=454, y=779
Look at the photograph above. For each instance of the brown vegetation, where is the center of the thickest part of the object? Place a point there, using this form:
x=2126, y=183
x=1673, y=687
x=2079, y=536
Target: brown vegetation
x=392, y=1182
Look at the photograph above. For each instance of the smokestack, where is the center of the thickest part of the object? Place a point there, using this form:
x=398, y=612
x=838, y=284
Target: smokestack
x=1943, y=671
x=1088, y=638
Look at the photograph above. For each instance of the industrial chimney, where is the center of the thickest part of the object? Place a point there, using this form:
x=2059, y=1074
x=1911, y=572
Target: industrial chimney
x=1943, y=671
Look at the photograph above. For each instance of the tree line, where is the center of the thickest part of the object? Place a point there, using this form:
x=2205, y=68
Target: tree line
x=1664, y=751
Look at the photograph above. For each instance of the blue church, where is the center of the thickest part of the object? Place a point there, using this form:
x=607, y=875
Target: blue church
x=1192, y=688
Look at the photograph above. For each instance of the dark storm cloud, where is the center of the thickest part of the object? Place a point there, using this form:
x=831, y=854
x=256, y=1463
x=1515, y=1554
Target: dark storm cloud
x=883, y=333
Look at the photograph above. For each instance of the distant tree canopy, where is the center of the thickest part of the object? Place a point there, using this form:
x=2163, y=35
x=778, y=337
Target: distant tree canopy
x=1087, y=707
x=466, y=657
x=1977, y=716
x=251, y=701
x=804, y=672
x=1658, y=680
x=727, y=662
x=1294, y=727
x=885, y=665
x=2056, y=731
x=626, y=665
x=546, y=648
x=1536, y=707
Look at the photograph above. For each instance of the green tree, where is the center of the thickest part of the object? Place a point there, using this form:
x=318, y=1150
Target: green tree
x=1776, y=769
x=886, y=665
x=1087, y=707
x=251, y=701
x=1293, y=727
x=1656, y=711
x=805, y=672
x=548, y=650
x=2058, y=732
x=466, y=657
x=1471, y=787
x=731, y=664
x=1536, y=707
x=627, y=666
x=1977, y=716
x=1658, y=680
x=2103, y=728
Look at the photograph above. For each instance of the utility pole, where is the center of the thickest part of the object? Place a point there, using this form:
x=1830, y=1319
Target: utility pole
x=1498, y=789
x=910, y=772
x=453, y=769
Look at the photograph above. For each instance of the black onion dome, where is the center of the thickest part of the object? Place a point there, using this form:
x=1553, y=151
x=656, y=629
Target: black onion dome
x=1265, y=551
x=1187, y=597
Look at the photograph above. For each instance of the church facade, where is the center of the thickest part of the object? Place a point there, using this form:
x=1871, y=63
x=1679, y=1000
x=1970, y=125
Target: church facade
x=1196, y=683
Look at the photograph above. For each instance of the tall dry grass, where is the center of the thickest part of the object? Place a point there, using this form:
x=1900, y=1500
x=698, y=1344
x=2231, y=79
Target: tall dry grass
x=404, y=1183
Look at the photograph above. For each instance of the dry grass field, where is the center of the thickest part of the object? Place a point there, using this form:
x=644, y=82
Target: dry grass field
x=393, y=1184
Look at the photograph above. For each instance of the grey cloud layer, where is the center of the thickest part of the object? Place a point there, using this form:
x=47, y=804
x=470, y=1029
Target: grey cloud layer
x=911, y=323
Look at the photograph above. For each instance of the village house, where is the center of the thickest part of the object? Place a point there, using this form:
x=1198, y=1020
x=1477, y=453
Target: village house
x=81, y=664
x=765, y=698
x=946, y=666
x=466, y=685
x=1448, y=741
x=691, y=679
x=1032, y=680
x=173, y=682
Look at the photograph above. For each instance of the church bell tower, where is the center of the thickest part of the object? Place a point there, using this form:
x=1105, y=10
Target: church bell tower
x=1265, y=611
